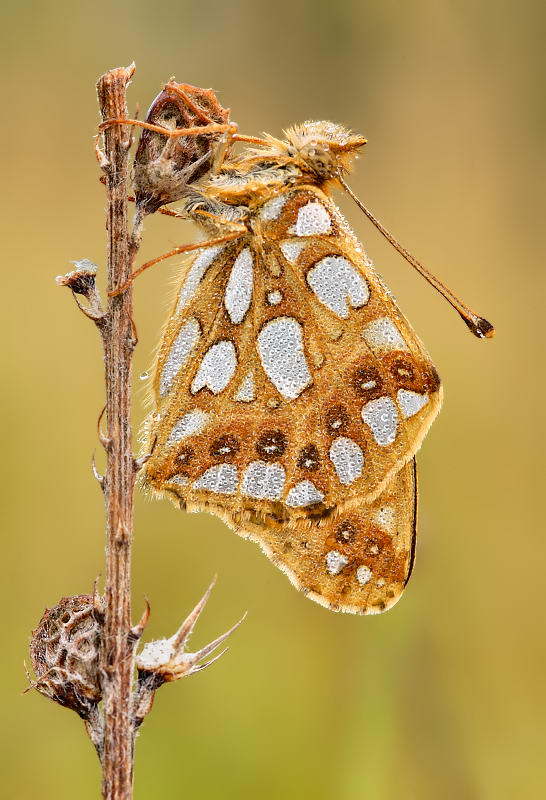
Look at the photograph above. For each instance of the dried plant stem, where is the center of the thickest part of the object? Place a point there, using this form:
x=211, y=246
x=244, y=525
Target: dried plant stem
x=100, y=684
x=117, y=660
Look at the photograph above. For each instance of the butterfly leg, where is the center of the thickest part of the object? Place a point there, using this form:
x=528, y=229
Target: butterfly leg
x=229, y=129
x=179, y=89
x=214, y=127
x=224, y=145
x=231, y=134
x=196, y=130
x=174, y=252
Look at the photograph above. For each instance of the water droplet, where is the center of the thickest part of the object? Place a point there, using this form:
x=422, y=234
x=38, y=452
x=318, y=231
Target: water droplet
x=144, y=376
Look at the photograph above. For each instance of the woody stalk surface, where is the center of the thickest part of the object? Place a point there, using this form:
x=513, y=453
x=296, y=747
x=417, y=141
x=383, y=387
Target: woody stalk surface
x=84, y=649
x=117, y=653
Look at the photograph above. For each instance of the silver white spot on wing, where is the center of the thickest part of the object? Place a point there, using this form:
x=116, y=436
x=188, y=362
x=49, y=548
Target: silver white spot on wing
x=272, y=209
x=382, y=335
x=220, y=479
x=188, y=425
x=292, y=250
x=380, y=415
x=187, y=338
x=363, y=575
x=347, y=458
x=334, y=280
x=385, y=518
x=313, y=219
x=410, y=402
x=274, y=297
x=246, y=392
x=217, y=368
x=280, y=346
x=263, y=481
x=238, y=294
x=196, y=274
x=335, y=561
x=304, y=493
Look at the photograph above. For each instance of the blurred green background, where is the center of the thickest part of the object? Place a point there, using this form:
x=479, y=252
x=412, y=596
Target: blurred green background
x=443, y=697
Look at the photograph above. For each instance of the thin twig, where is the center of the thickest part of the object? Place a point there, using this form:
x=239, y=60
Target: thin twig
x=117, y=332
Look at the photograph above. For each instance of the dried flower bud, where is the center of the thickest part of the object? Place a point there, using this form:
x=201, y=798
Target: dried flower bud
x=65, y=654
x=164, y=166
x=82, y=279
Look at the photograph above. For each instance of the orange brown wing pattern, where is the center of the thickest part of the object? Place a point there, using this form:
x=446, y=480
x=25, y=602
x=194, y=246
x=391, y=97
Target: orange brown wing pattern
x=287, y=382
x=357, y=560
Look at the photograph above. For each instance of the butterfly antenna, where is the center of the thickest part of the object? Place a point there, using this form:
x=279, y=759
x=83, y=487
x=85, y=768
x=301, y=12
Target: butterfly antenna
x=479, y=326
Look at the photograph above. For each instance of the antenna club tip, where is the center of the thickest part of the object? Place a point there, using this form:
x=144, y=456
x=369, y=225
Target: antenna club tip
x=484, y=329
x=479, y=326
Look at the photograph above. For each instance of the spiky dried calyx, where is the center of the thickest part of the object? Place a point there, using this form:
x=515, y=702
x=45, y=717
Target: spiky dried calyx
x=164, y=166
x=166, y=660
x=64, y=650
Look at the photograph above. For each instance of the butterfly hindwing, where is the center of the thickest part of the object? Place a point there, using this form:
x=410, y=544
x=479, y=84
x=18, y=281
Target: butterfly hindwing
x=356, y=560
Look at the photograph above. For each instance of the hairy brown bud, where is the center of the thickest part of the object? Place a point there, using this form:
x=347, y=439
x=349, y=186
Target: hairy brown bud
x=82, y=279
x=64, y=650
x=164, y=165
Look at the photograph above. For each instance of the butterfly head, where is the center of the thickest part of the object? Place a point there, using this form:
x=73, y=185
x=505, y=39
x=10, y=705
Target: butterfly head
x=323, y=148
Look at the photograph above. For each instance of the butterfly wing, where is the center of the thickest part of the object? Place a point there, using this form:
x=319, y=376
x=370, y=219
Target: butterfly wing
x=357, y=560
x=287, y=382
x=375, y=390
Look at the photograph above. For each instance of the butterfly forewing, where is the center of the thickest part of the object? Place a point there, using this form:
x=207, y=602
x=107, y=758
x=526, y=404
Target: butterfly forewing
x=373, y=381
x=287, y=381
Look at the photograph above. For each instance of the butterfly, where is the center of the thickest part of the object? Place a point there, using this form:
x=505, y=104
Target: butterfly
x=290, y=395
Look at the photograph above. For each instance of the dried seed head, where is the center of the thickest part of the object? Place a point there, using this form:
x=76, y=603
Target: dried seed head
x=64, y=650
x=164, y=166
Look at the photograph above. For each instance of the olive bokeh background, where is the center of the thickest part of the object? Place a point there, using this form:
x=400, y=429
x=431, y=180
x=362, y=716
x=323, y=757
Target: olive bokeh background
x=444, y=695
